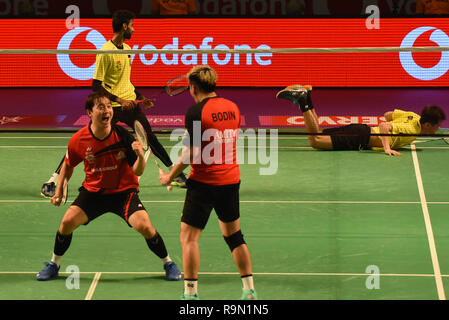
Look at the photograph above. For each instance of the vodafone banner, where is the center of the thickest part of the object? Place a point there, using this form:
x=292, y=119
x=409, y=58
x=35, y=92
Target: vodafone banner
x=235, y=70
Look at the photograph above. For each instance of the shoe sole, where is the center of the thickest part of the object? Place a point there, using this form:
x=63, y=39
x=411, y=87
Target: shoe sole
x=176, y=184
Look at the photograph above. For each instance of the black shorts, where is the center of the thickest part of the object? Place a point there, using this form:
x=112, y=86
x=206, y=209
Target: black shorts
x=95, y=204
x=357, y=138
x=201, y=198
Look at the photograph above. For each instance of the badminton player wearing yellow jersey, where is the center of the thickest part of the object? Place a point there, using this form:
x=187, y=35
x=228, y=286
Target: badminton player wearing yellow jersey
x=358, y=135
x=112, y=77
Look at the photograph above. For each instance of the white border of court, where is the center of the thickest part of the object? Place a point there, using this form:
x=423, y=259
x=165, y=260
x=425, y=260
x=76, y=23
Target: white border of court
x=429, y=230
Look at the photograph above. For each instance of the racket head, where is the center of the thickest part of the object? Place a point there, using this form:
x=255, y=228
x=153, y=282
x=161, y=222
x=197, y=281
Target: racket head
x=176, y=86
x=141, y=134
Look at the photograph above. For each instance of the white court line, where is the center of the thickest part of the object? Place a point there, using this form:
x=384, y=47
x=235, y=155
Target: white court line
x=430, y=237
x=93, y=286
x=264, y=201
x=317, y=274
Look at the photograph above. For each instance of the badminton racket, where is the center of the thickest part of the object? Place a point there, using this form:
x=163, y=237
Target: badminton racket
x=445, y=139
x=173, y=87
x=142, y=138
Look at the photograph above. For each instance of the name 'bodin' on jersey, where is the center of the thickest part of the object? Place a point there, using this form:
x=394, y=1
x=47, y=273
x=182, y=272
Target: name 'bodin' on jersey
x=223, y=116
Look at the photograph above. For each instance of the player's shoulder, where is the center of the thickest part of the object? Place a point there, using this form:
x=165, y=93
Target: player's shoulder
x=399, y=113
x=79, y=135
x=108, y=46
x=195, y=110
x=122, y=132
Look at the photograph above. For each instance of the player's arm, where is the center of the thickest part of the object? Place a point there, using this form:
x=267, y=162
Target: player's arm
x=388, y=116
x=386, y=128
x=146, y=103
x=184, y=160
x=65, y=174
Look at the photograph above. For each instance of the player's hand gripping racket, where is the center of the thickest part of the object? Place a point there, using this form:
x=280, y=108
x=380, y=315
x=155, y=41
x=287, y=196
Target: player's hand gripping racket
x=142, y=138
x=173, y=87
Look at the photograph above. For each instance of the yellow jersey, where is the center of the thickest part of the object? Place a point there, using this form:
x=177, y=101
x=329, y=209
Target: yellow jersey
x=404, y=122
x=114, y=72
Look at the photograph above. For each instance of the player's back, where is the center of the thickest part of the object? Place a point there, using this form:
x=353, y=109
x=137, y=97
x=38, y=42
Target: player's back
x=220, y=124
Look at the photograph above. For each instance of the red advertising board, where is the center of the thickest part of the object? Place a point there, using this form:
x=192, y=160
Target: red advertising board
x=239, y=70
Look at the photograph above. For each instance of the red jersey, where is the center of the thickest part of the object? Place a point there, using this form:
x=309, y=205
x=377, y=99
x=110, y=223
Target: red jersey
x=214, y=125
x=107, y=162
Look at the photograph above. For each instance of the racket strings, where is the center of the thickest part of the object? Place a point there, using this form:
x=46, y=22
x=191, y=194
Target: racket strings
x=141, y=134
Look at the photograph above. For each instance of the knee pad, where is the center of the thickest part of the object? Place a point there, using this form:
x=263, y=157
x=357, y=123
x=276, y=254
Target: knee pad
x=235, y=240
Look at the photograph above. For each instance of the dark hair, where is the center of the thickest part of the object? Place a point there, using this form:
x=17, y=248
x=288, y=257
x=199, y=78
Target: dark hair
x=432, y=114
x=92, y=99
x=119, y=18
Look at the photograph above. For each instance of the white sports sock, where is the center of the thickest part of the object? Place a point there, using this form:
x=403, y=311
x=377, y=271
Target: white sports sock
x=190, y=287
x=56, y=259
x=166, y=259
x=54, y=178
x=248, y=282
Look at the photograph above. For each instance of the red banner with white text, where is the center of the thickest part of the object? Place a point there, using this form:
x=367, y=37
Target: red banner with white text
x=406, y=69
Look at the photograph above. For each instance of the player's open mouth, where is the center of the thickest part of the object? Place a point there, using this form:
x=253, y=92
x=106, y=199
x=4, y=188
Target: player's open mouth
x=105, y=118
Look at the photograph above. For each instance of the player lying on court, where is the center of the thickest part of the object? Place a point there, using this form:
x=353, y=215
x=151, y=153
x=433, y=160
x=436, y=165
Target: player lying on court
x=213, y=183
x=358, y=135
x=112, y=161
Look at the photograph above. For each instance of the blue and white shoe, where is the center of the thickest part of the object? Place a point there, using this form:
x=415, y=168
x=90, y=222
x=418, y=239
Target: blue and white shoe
x=50, y=272
x=48, y=189
x=180, y=181
x=172, y=272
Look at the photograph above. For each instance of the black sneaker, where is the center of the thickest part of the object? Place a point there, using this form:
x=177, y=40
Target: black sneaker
x=296, y=94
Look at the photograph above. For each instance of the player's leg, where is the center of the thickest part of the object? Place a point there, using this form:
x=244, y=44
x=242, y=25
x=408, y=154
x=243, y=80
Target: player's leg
x=195, y=214
x=227, y=207
x=302, y=97
x=128, y=117
x=189, y=238
x=240, y=253
x=137, y=217
x=73, y=218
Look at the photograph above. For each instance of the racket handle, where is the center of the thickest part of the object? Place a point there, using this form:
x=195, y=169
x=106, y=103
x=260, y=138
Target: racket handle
x=169, y=188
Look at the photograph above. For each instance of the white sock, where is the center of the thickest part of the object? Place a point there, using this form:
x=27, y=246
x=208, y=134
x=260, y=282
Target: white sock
x=166, y=259
x=56, y=259
x=248, y=283
x=54, y=178
x=190, y=287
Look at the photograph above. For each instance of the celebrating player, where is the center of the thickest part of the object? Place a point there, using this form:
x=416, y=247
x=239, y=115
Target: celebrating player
x=358, y=135
x=213, y=182
x=112, y=160
x=112, y=77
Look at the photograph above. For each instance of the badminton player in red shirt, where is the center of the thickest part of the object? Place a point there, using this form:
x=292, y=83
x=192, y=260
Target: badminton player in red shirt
x=214, y=179
x=112, y=161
